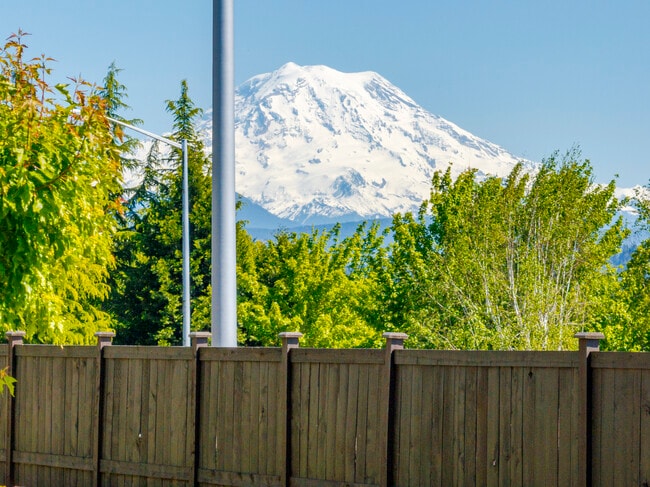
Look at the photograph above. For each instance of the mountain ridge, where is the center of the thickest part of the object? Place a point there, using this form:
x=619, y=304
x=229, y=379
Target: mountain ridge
x=315, y=145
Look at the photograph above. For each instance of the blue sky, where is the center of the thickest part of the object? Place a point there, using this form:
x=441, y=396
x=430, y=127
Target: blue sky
x=533, y=77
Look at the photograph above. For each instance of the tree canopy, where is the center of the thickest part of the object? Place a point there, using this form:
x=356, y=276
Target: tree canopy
x=59, y=187
x=521, y=262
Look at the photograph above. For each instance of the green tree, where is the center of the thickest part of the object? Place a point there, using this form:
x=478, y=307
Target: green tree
x=312, y=283
x=59, y=172
x=506, y=264
x=624, y=316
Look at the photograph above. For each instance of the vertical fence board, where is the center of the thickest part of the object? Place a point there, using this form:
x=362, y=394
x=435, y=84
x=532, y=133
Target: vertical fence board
x=447, y=440
x=481, y=426
x=505, y=414
x=626, y=407
x=414, y=408
x=493, y=426
x=608, y=427
x=4, y=415
x=644, y=427
x=469, y=448
x=516, y=426
x=423, y=460
x=342, y=415
x=459, y=426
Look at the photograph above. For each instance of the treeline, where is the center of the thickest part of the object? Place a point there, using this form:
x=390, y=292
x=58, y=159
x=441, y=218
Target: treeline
x=517, y=263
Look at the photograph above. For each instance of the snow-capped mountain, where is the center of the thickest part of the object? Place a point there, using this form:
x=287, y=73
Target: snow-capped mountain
x=316, y=145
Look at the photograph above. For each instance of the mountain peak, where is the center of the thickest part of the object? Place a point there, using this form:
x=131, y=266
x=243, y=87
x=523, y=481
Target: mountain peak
x=315, y=144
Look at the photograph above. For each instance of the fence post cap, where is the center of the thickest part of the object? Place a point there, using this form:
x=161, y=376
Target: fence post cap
x=589, y=335
x=104, y=338
x=105, y=334
x=290, y=339
x=200, y=334
x=15, y=337
x=18, y=333
x=199, y=339
x=290, y=334
x=395, y=335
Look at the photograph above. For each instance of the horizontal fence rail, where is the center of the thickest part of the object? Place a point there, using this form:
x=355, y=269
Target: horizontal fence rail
x=182, y=416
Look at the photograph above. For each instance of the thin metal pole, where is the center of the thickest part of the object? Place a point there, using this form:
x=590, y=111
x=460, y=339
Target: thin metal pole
x=224, y=274
x=186, y=248
x=185, y=222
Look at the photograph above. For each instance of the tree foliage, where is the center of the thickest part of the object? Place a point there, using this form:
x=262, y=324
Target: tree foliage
x=506, y=264
x=312, y=283
x=59, y=174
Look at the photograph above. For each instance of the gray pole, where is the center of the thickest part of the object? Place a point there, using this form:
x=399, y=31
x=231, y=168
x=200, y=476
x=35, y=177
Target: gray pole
x=186, y=249
x=224, y=283
x=185, y=222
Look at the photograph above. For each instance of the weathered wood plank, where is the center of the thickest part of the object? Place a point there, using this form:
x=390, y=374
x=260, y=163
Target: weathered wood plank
x=241, y=354
x=238, y=479
x=54, y=460
x=251, y=420
x=546, y=424
x=448, y=411
x=341, y=415
x=567, y=434
x=428, y=456
x=51, y=351
x=493, y=426
x=626, y=432
x=644, y=429
x=149, y=470
x=482, y=401
x=516, y=425
x=362, y=426
x=459, y=425
x=505, y=415
x=608, y=427
x=620, y=360
x=312, y=417
x=323, y=399
x=470, y=426
x=337, y=356
x=141, y=352
x=474, y=358
x=374, y=462
x=298, y=482
x=331, y=401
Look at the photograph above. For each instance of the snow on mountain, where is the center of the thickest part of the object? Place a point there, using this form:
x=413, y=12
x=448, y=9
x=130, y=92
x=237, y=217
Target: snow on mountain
x=314, y=144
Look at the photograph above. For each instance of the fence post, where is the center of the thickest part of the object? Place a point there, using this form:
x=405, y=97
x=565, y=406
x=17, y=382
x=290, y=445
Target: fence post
x=104, y=339
x=14, y=338
x=587, y=342
x=394, y=341
x=198, y=340
x=290, y=339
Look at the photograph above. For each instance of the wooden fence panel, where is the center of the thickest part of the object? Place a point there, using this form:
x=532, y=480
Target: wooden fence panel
x=4, y=415
x=336, y=435
x=324, y=417
x=620, y=419
x=241, y=413
x=54, y=407
x=148, y=416
x=485, y=418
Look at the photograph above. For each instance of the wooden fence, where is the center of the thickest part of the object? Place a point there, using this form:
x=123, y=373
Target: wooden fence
x=118, y=415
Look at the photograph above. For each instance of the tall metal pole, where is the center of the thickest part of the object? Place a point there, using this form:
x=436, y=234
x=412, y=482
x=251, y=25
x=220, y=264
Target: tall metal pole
x=185, y=222
x=186, y=248
x=224, y=283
